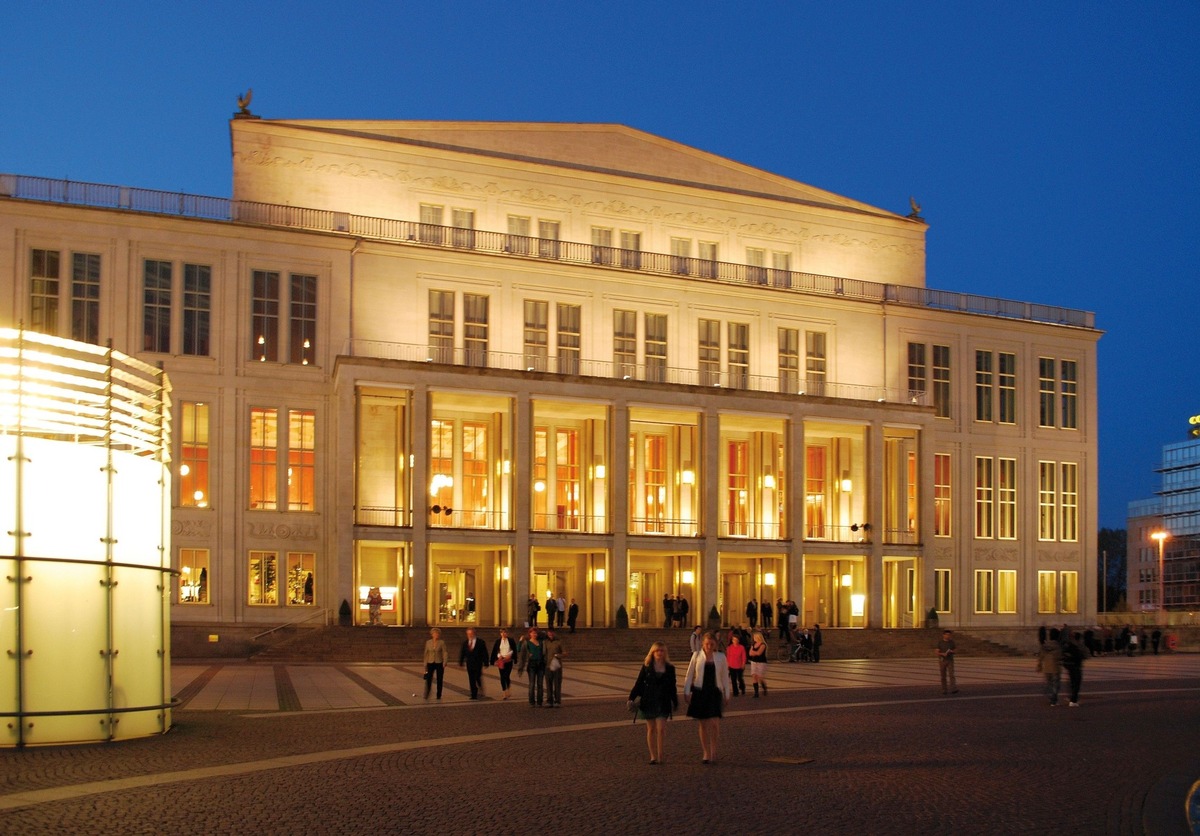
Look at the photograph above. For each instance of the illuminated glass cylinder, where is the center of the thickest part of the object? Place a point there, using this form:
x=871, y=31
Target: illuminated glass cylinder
x=84, y=543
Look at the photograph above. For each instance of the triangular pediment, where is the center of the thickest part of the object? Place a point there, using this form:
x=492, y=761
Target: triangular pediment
x=607, y=148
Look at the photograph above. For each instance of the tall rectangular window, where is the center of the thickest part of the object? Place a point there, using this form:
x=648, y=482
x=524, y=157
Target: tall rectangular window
x=739, y=355
x=656, y=347
x=430, y=230
x=681, y=253
x=1069, y=592
x=1047, y=496
x=756, y=265
x=916, y=368
x=263, y=581
x=156, y=306
x=519, y=231
x=264, y=315
x=983, y=591
x=475, y=473
x=197, y=309
x=193, y=576
x=475, y=329
x=815, y=492
x=603, y=251
x=1007, y=388
x=983, y=385
x=570, y=338
x=1006, y=590
x=707, y=251
x=264, y=452
x=85, y=297
x=302, y=460
x=441, y=326
x=942, y=589
x=1046, y=392
x=942, y=495
x=737, y=488
x=1069, y=388
x=709, y=338
x=781, y=269
x=1068, y=529
x=567, y=492
x=984, y=498
x=548, y=234
x=302, y=324
x=193, y=455
x=462, y=222
x=1006, y=504
x=789, y=360
x=43, y=291
x=631, y=249
x=941, y=381
x=301, y=579
x=815, y=362
x=537, y=334
x=1047, y=592
x=624, y=344
x=655, y=452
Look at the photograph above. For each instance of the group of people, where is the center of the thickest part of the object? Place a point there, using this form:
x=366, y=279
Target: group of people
x=557, y=610
x=675, y=610
x=1061, y=650
x=756, y=613
x=537, y=655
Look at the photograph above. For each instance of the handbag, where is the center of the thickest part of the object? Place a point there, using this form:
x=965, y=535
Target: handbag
x=555, y=664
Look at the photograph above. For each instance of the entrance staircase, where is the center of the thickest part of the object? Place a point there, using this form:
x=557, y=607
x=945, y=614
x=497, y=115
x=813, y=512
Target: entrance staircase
x=334, y=645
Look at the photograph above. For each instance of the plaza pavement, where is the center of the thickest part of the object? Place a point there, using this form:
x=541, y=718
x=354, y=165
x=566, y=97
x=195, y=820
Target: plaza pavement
x=840, y=747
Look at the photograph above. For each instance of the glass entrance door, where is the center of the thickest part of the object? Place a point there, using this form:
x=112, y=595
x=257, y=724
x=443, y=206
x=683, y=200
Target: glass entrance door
x=457, y=596
x=645, y=608
x=733, y=597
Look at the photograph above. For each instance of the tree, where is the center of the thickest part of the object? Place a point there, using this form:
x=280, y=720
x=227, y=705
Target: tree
x=1111, y=557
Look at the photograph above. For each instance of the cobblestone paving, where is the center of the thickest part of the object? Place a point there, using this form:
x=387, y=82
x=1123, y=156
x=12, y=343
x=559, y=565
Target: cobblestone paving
x=888, y=754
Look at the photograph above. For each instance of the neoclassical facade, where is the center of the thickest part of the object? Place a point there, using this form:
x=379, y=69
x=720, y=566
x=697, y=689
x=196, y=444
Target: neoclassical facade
x=468, y=363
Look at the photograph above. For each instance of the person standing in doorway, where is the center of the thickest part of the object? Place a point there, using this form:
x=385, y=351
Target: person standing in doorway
x=553, y=653
x=531, y=660
x=533, y=608
x=551, y=610
x=752, y=613
x=572, y=616
x=816, y=642
x=668, y=613
x=767, y=614
x=706, y=692
x=945, y=654
x=560, y=607
x=474, y=655
x=503, y=658
x=436, y=658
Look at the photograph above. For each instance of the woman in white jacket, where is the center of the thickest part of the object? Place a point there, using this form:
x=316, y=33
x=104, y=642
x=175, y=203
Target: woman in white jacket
x=706, y=691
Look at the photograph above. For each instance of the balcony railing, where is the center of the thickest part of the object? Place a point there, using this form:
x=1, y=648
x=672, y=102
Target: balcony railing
x=620, y=370
x=431, y=235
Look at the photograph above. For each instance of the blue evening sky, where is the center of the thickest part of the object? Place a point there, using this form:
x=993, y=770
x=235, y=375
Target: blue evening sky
x=1053, y=146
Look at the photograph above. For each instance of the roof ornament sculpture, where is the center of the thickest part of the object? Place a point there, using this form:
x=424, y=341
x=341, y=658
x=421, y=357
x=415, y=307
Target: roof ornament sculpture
x=915, y=214
x=243, y=102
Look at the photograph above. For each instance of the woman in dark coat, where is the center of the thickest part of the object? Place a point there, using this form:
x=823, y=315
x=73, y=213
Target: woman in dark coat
x=655, y=687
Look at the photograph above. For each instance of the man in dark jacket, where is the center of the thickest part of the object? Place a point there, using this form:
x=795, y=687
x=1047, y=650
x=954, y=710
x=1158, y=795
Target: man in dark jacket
x=474, y=655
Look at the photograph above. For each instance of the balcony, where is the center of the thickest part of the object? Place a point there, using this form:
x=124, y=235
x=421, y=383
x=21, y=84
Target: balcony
x=621, y=370
x=517, y=246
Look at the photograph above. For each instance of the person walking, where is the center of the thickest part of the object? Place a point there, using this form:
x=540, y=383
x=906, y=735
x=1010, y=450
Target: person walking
x=1050, y=665
x=706, y=692
x=436, y=658
x=474, y=655
x=696, y=639
x=657, y=697
x=531, y=660
x=757, y=655
x=503, y=658
x=1073, y=654
x=945, y=654
x=552, y=650
x=735, y=657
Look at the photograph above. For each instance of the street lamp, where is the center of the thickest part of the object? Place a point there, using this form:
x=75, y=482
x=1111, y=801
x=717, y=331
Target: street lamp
x=1161, y=537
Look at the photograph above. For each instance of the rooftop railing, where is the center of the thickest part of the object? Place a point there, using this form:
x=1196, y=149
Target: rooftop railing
x=519, y=246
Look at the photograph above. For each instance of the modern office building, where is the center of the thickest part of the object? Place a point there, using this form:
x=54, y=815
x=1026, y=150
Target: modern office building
x=468, y=363
x=1164, y=534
